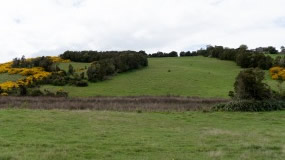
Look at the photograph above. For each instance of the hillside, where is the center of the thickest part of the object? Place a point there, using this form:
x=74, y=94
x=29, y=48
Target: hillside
x=188, y=76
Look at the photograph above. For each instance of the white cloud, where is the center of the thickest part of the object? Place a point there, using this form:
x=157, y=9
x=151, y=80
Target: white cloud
x=48, y=27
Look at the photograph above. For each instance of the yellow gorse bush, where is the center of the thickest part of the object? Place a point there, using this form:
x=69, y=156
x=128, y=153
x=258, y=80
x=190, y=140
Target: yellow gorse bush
x=277, y=73
x=58, y=59
x=32, y=74
x=4, y=94
x=8, y=85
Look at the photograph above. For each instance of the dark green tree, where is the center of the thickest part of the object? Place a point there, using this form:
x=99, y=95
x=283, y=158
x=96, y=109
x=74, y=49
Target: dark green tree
x=70, y=69
x=249, y=85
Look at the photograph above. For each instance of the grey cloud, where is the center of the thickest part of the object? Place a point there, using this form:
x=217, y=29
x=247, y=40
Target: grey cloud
x=49, y=27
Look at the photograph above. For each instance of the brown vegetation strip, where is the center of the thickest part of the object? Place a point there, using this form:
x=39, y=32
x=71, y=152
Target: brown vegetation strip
x=142, y=103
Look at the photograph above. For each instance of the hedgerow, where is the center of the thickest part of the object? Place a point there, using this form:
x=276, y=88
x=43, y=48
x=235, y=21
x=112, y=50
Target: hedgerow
x=251, y=106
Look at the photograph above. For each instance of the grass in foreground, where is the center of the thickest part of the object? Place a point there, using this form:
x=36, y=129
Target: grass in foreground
x=188, y=76
x=39, y=134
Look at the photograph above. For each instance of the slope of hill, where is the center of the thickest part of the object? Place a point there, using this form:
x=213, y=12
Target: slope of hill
x=4, y=77
x=187, y=76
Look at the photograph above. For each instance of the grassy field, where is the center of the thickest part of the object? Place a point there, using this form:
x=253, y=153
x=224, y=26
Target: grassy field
x=188, y=76
x=54, y=134
x=4, y=77
x=79, y=67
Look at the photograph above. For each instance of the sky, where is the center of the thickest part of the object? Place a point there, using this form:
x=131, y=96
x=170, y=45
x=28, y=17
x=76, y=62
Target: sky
x=50, y=27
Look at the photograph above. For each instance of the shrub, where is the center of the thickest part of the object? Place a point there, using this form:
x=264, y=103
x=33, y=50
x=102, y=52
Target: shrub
x=4, y=94
x=249, y=85
x=58, y=82
x=251, y=106
x=100, y=70
x=81, y=83
x=82, y=75
x=70, y=69
x=36, y=92
x=277, y=73
x=61, y=93
x=23, y=90
x=49, y=93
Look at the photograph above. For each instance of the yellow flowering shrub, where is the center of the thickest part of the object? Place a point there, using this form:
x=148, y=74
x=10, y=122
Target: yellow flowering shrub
x=32, y=74
x=8, y=85
x=4, y=94
x=277, y=73
x=58, y=59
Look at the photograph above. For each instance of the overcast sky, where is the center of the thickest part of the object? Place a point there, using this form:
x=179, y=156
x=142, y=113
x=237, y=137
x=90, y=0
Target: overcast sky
x=49, y=27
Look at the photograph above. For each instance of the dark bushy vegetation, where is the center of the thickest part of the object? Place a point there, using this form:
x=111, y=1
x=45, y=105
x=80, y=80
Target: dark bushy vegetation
x=268, y=50
x=106, y=64
x=189, y=54
x=43, y=62
x=251, y=106
x=249, y=85
x=252, y=95
x=61, y=78
x=101, y=70
x=161, y=54
x=120, y=57
x=242, y=56
x=36, y=92
x=279, y=61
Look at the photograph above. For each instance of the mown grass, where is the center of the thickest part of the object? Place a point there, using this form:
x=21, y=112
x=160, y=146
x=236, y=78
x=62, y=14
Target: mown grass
x=55, y=134
x=4, y=77
x=187, y=76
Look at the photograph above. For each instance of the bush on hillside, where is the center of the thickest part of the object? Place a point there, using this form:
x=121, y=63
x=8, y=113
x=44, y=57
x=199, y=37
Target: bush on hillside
x=61, y=93
x=242, y=56
x=36, y=92
x=81, y=83
x=279, y=61
x=251, y=106
x=100, y=70
x=44, y=62
x=249, y=85
x=252, y=95
x=70, y=69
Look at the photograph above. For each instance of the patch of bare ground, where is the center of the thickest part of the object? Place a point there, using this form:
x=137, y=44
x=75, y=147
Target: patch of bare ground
x=142, y=103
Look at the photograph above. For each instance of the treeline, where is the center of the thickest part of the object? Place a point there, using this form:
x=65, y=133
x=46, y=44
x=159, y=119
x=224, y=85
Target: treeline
x=106, y=64
x=91, y=56
x=162, y=54
x=242, y=56
x=44, y=62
